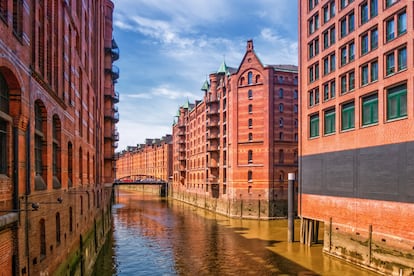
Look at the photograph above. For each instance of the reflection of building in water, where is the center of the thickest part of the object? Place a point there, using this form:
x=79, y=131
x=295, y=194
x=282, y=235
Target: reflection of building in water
x=57, y=134
x=356, y=59
x=234, y=149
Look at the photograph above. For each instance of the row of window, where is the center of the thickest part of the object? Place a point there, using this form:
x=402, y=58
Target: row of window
x=329, y=9
x=17, y=16
x=395, y=26
x=395, y=61
x=396, y=107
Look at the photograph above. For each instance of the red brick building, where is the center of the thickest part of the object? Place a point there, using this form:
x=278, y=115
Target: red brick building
x=57, y=136
x=356, y=67
x=152, y=159
x=234, y=149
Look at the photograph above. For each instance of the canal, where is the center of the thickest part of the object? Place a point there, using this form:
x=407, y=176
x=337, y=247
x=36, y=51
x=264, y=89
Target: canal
x=154, y=236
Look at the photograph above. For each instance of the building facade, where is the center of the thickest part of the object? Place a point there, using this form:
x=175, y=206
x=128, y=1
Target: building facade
x=150, y=160
x=57, y=141
x=356, y=67
x=233, y=149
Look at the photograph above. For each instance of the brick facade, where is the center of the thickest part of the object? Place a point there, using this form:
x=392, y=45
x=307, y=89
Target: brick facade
x=56, y=80
x=233, y=150
x=152, y=159
x=356, y=129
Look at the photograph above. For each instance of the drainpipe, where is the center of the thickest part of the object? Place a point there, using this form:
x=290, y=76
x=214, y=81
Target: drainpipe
x=27, y=193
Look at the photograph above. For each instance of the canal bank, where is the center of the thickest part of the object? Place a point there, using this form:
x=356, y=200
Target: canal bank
x=155, y=236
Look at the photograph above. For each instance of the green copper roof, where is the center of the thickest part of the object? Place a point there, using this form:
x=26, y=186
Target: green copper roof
x=223, y=68
x=186, y=104
x=205, y=86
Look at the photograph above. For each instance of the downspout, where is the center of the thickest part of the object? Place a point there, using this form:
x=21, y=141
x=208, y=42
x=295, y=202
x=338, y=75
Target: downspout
x=16, y=194
x=27, y=193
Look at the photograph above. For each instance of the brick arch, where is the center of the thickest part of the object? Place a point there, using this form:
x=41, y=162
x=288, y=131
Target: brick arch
x=256, y=75
x=15, y=92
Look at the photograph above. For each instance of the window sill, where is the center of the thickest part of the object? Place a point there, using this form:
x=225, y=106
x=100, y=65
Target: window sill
x=347, y=130
x=369, y=125
x=329, y=134
x=396, y=119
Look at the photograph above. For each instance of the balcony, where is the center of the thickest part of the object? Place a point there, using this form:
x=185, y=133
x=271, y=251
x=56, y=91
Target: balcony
x=212, y=148
x=212, y=123
x=213, y=136
x=115, y=97
x=212, y=111
x=114, y=51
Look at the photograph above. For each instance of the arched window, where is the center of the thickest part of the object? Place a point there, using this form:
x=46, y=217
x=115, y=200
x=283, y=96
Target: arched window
x=58, y=228
x=250, y=94
x=40, y=144
x=249, y=176
x=281, y=156
x=250, y=156
x=250, y=136
x=250, y=123
x=70, y=165
x=280, y=107
x=250, y=108
x=281, y=92
x=257, y=78
x=4, y=107
x=56, y=131
x=42, y=238
x=281, y=136
x=295, y=108
x=281, y=122
x=250, y=78
x=242, y=81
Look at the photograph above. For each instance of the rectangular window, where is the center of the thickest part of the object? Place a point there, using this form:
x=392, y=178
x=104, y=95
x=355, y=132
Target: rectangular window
x=397, y=102
x=314, y=125
x=316, y=71
x=311, y=98
x=374, y=39
x=344, y=52
x=389, y=3
x=374, y=8
x=343, y=84
x=351, y=84
x=390, y=29
x=348, y=116
x=351, y=48
x=326, y=92
x=374, y=71
x=325, y=14
x=329, y=121
x=351, y=23
x=390, y=64
x=364, y=13
x=402, y=23
x=332, y=35
x=370, y=109
x=364, y=74
x=332, y=62
x=402, y=59
x=325, y=39
x=316, y=95
x=18, y=17
x=364, y=44
x=326, y=66
x=333, y=89
x=343, y=27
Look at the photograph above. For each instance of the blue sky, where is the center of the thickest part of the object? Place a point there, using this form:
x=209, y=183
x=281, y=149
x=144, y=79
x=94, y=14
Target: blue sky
x=169, y=47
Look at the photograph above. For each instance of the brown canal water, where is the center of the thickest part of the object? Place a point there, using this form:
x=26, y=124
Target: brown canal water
x=154, y=236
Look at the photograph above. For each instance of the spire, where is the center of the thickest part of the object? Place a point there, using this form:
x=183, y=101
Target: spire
x=205, y=86
x=223, y=68
x=186, y=104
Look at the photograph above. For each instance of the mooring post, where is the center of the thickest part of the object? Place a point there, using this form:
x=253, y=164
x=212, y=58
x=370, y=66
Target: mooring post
x=291, y=204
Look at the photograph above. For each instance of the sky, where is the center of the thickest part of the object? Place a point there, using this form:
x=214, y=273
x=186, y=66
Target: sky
x=169, y=47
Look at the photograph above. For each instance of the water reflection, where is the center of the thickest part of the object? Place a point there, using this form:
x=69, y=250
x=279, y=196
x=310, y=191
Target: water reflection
x=158, y=237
